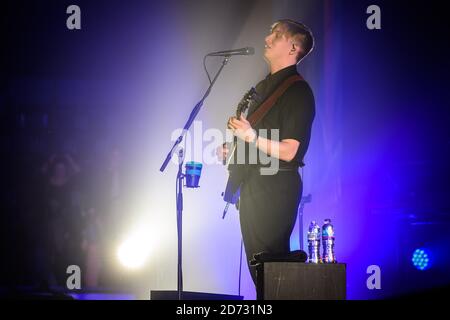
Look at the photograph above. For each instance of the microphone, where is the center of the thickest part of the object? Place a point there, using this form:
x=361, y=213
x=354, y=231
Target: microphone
x=247, y=51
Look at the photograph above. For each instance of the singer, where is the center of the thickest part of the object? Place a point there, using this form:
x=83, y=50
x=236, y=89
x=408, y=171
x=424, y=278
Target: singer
x=269, y=203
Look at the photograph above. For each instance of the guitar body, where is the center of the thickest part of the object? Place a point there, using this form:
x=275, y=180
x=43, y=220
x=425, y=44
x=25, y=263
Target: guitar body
x=232, y=189
x=236, y=171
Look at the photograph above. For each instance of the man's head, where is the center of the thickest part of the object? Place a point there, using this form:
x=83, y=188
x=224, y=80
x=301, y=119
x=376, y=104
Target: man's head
x=288, y=41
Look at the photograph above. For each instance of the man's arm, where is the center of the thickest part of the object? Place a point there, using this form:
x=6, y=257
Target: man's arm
x=296, y=117
x=284, y=150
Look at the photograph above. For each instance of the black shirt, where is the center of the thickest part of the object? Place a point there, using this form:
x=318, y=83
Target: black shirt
x=293, y=113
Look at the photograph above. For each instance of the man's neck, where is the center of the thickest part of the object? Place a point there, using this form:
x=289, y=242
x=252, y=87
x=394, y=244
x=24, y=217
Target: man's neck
x=275, y=67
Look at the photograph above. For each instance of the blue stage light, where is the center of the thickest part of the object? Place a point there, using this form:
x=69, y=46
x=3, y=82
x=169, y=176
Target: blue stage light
x=420, y=259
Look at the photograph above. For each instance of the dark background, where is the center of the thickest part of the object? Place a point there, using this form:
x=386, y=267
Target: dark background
x=397, y=97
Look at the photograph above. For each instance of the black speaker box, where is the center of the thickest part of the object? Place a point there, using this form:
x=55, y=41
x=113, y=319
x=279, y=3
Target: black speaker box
x=300, y=281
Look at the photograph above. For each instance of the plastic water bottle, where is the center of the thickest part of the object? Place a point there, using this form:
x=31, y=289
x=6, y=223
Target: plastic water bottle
x=328, y=242
x=314, y=243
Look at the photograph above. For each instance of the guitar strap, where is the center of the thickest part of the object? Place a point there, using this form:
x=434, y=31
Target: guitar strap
x=264, y=108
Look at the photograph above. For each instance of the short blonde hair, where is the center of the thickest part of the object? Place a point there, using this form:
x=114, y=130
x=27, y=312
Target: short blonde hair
x=300, y=34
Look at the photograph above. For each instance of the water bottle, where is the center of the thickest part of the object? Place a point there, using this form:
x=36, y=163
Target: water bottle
x=314, y=243
x=328, y=242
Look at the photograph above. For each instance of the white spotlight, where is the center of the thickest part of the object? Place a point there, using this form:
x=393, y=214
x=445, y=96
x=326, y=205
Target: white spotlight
x=134, y=251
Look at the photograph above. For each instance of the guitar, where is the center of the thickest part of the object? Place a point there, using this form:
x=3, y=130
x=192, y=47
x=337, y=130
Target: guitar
x=231, y=194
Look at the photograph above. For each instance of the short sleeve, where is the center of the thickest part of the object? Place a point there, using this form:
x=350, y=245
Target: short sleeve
x=297, y=113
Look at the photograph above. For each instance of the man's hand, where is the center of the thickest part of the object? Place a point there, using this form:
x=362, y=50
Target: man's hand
x=241, y=128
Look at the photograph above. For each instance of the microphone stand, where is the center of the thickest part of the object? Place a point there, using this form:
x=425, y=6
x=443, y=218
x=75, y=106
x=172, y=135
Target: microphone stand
x=180, y=175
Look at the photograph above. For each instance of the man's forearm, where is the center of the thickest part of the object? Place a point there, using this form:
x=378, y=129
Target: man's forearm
x=283, y=150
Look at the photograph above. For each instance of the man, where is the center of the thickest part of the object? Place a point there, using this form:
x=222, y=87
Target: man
x=268, y=203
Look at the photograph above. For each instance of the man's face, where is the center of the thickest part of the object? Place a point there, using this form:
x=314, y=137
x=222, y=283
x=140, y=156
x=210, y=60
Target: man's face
x=277, y=45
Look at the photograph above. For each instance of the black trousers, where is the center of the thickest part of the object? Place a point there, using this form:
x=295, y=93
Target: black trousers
x=268, y=211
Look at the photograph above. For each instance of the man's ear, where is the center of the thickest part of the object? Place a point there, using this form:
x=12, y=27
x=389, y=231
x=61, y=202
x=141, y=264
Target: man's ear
x=295, y=49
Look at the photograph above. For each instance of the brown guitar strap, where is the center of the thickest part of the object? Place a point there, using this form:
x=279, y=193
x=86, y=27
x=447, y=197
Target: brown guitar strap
x=262, y=110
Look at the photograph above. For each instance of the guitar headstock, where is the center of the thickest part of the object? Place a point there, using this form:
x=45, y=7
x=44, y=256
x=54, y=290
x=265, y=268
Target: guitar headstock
x=245, y=101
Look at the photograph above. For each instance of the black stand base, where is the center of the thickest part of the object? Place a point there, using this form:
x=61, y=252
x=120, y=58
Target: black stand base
x=186, y=295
